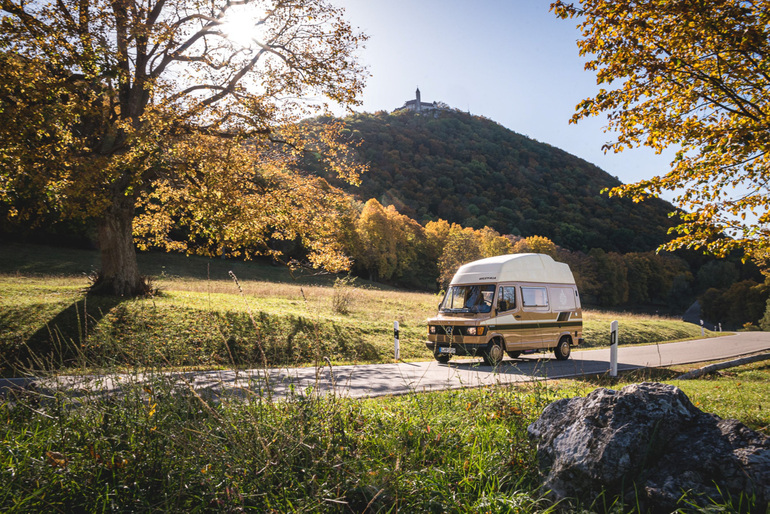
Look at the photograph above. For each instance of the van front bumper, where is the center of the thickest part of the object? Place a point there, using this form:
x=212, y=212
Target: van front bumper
x=463, y=348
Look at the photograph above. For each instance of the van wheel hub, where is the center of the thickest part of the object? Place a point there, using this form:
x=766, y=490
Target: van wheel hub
x=562, y=350
x=494, y=354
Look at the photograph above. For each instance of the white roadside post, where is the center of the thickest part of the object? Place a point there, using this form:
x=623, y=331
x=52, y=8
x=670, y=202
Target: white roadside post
x=614, y=349
x=701, y=329
x=395, y=343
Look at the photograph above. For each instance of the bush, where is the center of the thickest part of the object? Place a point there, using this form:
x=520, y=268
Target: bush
x=344, y=295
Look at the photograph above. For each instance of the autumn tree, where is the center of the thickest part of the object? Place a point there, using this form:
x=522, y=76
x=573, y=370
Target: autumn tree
x=376, y=250
x=492, y=243
x=389, y=244
x=463, y=245
x=436, y=234
x=693, y=75
x=535, y=244
x=174, y=110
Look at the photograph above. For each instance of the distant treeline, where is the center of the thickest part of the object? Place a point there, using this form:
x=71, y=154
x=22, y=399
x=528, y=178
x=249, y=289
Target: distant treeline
x=390, y=247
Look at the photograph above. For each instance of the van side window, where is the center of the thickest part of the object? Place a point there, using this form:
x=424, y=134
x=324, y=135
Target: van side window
x=534, y=297
x=563, y=298
x=506, y=299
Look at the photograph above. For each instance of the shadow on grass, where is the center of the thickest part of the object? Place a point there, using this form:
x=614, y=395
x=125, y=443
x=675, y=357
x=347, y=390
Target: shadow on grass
x=59, y=342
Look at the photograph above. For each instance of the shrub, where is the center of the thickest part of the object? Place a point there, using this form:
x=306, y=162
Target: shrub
x=344, y=295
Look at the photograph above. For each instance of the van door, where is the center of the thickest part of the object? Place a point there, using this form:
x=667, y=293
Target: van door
x=536, y=314
x=507, y=311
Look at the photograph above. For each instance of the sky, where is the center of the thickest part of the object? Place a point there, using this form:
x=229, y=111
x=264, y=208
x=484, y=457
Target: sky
x=511, y=61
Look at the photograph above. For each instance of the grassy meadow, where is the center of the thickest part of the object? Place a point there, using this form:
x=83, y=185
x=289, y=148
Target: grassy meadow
x=159, y=447
x=203, y=316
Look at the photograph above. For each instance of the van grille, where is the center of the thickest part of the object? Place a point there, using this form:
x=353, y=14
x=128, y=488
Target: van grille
x=441, y=338
x=452, y=330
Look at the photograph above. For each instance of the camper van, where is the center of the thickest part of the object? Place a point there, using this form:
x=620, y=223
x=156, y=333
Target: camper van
x=514, y=304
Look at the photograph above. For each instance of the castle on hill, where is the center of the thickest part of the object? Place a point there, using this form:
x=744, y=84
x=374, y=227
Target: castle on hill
x=417, y=105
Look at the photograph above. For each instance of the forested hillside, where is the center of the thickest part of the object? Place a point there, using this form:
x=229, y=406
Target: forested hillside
x=472, y=171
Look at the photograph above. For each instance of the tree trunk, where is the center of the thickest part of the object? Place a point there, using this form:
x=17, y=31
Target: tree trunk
x=119, y=275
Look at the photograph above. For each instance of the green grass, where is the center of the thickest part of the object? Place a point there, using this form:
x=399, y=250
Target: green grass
x=202, y=319
x=186, y=325
x=741, y=393
x=152, y=450
x=638, y=329
x=162, y=448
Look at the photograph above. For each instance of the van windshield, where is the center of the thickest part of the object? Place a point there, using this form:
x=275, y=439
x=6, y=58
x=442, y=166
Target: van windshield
x=468, y=299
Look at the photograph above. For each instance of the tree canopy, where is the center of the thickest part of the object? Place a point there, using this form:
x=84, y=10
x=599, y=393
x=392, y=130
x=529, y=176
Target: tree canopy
x=693, y=75
x=107, y=107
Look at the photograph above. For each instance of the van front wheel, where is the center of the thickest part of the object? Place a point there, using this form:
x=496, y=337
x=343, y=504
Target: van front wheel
x=442, y=358
x=562, y=349
x=494, y=354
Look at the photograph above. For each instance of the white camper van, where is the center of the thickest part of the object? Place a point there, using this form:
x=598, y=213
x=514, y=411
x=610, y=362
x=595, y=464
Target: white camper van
x=512, y=304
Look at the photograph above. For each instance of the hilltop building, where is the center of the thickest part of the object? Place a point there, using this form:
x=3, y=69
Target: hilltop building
x=417, y=105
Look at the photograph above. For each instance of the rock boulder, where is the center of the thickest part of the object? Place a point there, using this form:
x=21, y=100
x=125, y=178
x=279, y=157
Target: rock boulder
x=649, y=444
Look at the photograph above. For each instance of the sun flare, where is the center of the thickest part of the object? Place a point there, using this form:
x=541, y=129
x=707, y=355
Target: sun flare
x=244, y=25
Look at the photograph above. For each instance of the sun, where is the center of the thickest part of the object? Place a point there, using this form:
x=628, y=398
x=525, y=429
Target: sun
x=243, y=25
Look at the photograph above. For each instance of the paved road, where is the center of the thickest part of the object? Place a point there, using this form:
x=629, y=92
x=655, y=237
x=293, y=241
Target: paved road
x=381, y=379
x=403, y=377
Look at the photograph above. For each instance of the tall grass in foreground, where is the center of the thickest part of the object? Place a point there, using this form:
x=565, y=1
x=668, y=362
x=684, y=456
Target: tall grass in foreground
x=159, y=446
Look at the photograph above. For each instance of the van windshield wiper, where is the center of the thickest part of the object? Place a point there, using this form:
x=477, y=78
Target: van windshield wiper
x=462, y=309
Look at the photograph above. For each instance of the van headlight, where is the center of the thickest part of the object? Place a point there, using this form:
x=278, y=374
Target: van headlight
x=432, y=329
x=475, y=331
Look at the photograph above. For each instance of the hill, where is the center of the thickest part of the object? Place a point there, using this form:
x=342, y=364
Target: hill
x=472, y=171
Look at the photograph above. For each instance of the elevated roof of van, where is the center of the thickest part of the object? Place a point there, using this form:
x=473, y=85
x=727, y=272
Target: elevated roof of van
x=521, y=267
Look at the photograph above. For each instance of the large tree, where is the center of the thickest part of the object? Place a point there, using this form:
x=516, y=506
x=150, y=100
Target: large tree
x=176, y=111
x=693, y=75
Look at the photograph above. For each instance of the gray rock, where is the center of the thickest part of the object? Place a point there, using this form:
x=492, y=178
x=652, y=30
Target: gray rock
x=649, y=444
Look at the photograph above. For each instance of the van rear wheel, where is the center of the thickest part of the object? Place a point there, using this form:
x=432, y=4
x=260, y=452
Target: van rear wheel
x=513, y=355
x=562, y=349
x=494, y=354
